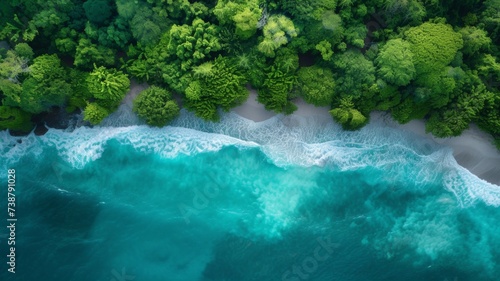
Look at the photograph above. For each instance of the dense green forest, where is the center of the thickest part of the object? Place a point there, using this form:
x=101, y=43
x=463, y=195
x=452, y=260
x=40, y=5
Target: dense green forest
x=437, y=60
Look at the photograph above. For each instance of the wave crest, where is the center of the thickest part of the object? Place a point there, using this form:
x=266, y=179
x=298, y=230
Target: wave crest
x=287, y=141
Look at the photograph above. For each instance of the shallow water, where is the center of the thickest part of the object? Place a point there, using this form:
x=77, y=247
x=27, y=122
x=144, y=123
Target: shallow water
x=286, y=199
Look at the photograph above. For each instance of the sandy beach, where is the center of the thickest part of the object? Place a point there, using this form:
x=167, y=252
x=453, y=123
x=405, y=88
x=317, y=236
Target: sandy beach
x=473, y=150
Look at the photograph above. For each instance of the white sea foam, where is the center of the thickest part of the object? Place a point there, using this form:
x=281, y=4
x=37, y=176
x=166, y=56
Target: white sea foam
x=87, y=144
x=294, y=140
x=13, y=148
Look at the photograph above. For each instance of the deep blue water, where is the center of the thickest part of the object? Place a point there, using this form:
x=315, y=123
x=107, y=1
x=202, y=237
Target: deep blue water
x=282, y=200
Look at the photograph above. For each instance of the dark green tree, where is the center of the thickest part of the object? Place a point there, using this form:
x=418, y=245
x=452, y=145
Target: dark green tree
x=408, y=110
x=193, y=43
x=347, y=116
x=217, y=84
x=88, y=54
x=46, y=85
x=155, y=105
x=316, y=85
x=475, y=39
x=308, y=9
x=98, y=11
x=12, y=118
x=24, y=50
x=355, y=73
x=280, y=78
x=147, y=25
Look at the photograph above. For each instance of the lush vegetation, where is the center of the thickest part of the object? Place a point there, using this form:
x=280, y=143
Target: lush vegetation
x=437, y=60
x=156, y=106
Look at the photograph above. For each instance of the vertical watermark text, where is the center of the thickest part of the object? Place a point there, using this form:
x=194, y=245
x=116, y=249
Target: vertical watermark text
x=11, y=220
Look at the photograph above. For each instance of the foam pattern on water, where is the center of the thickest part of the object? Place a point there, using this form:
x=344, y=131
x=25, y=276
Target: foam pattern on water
x=382, y=185
x=295, y=140
x=84, y=144
x=287, y=141
x=13, y=148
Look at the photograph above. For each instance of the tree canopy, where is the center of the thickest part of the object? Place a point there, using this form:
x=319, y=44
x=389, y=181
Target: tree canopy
x=155, y=105
x=434, y=60
x=316, y=85
x=395, y=62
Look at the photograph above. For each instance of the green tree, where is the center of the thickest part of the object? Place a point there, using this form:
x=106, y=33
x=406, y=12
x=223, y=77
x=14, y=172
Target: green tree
x=108, y=86
x=117, y=34
x=395, y=62
x=98, y=11
x=400, y=13
x=434, y=46
x=80, y=94
x=11, y=92
x=355, y=73
x=408, y=110
x=347, y=116
x=12, y=118
x=315, y=34
x=471, y=96
x=49, y=18
x=280, y=77
x=244, y=15
x=490, y=18
x=489, y=118
x=355, y=35
x=436, y=89
x=193, y=43
x=277, y=32
x=127, y=9
x=13, y=29
x=46, y=85
x=325, y=48
x=67, y=40
x=308, y=10
x=385, y=96
x=88, y=53
x=217, y=84
x=94, y=113
x=246, y=21
x=251, y=64
x=489, y=69
x=12, y=66
x=316, y=85
x=475, y=40
x=155, y=105
x=24, y=50
x=147, y=25
x=179, y=10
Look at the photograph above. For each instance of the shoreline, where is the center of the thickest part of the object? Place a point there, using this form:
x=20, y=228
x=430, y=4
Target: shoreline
x=473, y=149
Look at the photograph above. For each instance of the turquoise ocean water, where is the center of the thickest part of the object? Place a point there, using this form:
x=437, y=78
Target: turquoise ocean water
x=285, y=199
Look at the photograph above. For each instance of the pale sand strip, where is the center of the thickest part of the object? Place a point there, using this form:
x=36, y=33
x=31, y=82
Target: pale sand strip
x=253, y=110
x=124, y=115
x=472, y=150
